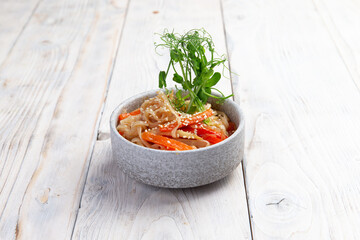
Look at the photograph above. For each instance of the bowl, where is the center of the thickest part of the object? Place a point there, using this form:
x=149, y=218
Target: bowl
x=178, y=169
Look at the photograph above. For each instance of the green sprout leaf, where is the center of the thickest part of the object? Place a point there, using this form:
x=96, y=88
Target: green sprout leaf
x=193, y=59
x=176, y=55
x=177, y=78
x=162, y=81
x=213, y=80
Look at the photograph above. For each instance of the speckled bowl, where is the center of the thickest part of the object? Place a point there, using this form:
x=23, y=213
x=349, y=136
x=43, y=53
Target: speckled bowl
x=178, y=169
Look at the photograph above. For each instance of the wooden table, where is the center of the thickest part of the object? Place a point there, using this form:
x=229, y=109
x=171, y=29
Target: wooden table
x=65, y=65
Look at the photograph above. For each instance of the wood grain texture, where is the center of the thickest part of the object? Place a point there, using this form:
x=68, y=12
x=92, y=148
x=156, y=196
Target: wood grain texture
x=53, y=85
x=342, y=20
x=303, y=112
x=114, y=206
x=14, y=17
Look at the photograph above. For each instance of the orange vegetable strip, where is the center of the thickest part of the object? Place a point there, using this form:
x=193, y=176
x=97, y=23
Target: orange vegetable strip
x=198, y=117
x=164, y=141
x=125, y=115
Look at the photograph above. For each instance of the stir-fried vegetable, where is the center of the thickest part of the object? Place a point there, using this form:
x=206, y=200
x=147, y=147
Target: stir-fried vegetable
x=125, y=115
x=195, y=118
x=205, y=132
x=211, y=138
x=166, y=142
x=231, y=127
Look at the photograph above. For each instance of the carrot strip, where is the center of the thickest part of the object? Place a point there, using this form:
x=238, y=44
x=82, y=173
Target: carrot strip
x=164, y=141
x=125, y=115
x=198, y=117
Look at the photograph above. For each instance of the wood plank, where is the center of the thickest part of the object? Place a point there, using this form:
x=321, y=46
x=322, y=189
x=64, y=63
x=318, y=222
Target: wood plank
x=342, y=20
x=303, y=113
x=14, y=17
x=115, y=206
x=52, y=90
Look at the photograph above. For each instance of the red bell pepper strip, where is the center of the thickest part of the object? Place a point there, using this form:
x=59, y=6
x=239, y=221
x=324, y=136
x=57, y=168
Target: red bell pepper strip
x=201, y=129
x=211, y=138
x=205, y=132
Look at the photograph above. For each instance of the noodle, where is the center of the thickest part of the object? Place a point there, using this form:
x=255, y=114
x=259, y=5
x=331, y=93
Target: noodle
x=157, y=112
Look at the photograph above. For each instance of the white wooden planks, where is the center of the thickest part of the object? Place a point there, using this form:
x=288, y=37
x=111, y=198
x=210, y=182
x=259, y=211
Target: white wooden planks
x=115, y=206
x=53, y=84
x=298, y=66
x=342, y=20
x=303, y=113
x=14, y=17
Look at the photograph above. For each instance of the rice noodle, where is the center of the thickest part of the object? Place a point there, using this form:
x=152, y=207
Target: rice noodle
x=157, y=111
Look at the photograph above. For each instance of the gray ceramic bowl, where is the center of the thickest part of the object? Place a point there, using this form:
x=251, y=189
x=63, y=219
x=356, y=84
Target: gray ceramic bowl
x=178, y=169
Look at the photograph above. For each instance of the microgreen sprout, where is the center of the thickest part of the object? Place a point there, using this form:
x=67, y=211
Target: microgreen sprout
x=192, y=59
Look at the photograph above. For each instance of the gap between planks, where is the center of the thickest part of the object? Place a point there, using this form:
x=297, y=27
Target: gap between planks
x=233, y=97
x=52, y=115
x=97, y=126
x=104, y=137
x=21, y=32
x=91, y=147
x=332, y=33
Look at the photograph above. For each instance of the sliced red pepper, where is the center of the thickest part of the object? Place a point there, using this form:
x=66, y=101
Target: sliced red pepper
x=205, y=132
x=200, y=129
x=198, y=117
x=133, y=113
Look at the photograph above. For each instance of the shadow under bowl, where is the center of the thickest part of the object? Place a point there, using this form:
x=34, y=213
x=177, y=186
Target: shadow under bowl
x=178, y=169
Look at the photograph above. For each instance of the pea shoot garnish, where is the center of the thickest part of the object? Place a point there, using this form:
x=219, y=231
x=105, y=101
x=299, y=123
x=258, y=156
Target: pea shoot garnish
x=193, y=59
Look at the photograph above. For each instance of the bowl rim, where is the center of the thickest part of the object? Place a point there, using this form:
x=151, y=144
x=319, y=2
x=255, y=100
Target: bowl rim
x=115, y=112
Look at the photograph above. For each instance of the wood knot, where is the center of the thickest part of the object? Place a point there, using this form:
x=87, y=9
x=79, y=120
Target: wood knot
x=102, y=136
x=44, y=196
x=46, y=42
x=276, y=203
